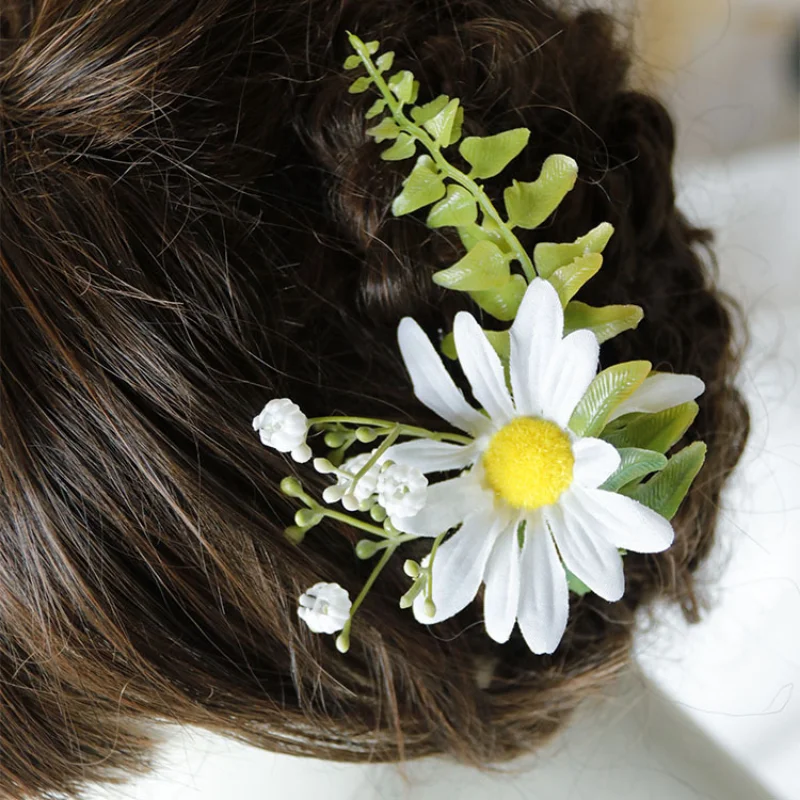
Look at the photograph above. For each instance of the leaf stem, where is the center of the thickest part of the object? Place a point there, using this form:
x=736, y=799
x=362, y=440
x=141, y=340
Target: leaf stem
x=444, y=165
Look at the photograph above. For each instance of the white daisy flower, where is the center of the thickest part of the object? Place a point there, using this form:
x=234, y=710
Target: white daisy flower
x=402, y=490
x=527, y=502
x=325, y=607
x=284, y=427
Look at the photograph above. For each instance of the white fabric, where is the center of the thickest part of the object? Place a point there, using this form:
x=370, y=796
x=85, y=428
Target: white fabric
x=544, y=597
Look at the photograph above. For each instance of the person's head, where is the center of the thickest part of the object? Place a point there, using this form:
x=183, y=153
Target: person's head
x=193, y=222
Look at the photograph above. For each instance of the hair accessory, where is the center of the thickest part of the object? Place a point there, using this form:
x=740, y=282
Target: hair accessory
x=561, y=470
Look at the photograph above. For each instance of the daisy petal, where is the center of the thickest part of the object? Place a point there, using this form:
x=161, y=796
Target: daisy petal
x=544, y=597
x=459, y=566
x=431, y=456
x=570, y=370
x=447, y=503
x=483, y=369
x=586, y=553
x=433, y=385
x=535, y=333
x=626, y=523
x=659, y=392
x=595, y=461
x=501, y=599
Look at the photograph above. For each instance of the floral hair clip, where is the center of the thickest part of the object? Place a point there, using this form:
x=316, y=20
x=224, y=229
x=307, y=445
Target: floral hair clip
x=561, y=471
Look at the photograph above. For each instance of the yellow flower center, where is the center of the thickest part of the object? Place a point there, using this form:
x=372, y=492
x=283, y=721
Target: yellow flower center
x=529, y=462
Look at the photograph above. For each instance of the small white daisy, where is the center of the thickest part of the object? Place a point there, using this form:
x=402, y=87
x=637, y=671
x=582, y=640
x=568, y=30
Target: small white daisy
x=527, y=500
x=284, y=427
x=325, y=607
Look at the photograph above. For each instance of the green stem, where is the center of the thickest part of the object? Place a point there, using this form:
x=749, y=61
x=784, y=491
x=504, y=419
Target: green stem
x=388, y=553
x=422, y=433
x=381, y=423
x=403, y=430
x=437, y=542
x=390, y=439
x=354, y=521
x=448, y=169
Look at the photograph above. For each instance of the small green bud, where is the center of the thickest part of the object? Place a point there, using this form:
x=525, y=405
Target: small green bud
x=429, y=607
x=389, y=528
x=335, y=438
x=378, y=513
x=407, y=600
x=307, y=518
x=291, y=487
x=343, y=641
x=366, y=435
x=295, y=534
x=323, y=466
x=411, y=568
x=366, y=548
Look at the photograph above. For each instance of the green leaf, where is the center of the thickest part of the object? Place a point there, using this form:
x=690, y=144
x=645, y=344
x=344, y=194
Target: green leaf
x=386, y=129
x=568, y=280
x=529, y=204
x=458, y=122
x=635, y=463
x=421, y=188
x=385, y=61
x=605, y=323
x=548, y=257
x=376, y=108
x=576, y=585
x=483, y=267
x=665, y=491
x=403, y=86
x=658, y=431
x=351, y=62
x=404, y=147
x=441, y=126
x=360, y=85
x=457, y=208
x=372, y=47
x=448, y=346
x=502, y=303
x=490, y=155
x=609, y=388
x=421, y=114
x=470, y=235
x=501, y=342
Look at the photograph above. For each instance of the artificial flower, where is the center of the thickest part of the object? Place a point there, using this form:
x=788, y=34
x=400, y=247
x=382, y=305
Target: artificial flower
x=354, y=495
x=402, y=491
x=659, y=391
x=325, y=607
x=282, y=426
x=527, y=498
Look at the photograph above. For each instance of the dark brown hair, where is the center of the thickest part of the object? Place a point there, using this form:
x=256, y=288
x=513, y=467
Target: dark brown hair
x=194, y=222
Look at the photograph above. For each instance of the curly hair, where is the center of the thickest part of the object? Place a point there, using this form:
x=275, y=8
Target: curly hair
x=194, y=221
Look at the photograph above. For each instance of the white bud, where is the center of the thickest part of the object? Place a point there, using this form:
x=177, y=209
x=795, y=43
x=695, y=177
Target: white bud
x=283, y=426
x=325, y=607
x=402, y=490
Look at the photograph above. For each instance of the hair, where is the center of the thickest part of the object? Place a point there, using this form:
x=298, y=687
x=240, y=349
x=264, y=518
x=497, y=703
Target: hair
x=194, y=222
